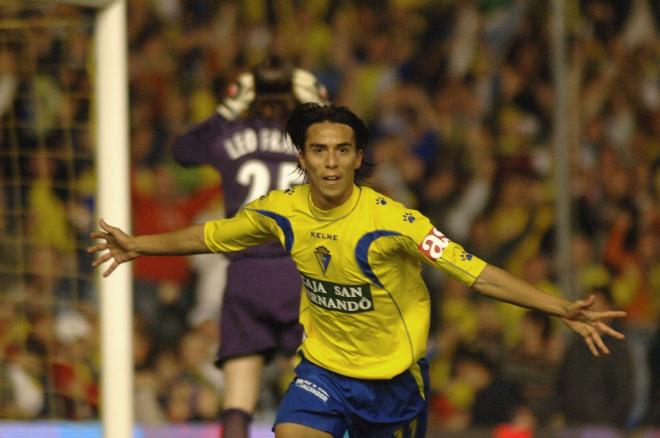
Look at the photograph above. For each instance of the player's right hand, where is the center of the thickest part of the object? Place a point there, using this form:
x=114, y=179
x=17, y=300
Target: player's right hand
x=120, y=246
x=240, y=95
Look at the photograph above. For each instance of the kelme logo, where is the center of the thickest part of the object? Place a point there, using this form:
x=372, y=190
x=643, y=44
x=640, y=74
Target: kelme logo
x=354, y=298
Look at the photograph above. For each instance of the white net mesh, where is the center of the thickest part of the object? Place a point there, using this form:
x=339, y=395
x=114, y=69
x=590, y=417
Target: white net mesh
x=48, y=342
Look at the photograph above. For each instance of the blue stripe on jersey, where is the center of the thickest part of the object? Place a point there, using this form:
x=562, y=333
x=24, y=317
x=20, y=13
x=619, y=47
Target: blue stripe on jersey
x=285, y=226
x=362, y=253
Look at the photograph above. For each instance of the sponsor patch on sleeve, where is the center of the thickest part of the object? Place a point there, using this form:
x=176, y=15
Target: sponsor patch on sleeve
x=433, y=244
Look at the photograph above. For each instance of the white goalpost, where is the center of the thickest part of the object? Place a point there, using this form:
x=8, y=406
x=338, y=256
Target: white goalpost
x=114, y=205
x=113, y=197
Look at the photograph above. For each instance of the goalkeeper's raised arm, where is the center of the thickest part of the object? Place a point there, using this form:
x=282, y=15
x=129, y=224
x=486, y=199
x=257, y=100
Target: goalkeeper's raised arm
x=123, y=247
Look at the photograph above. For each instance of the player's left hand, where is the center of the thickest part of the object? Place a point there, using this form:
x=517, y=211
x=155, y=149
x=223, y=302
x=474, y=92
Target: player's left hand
x=590, y=324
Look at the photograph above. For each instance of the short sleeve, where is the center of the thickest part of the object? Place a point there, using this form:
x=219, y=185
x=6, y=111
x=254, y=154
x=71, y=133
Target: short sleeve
x=242, y=231
x=438, y=250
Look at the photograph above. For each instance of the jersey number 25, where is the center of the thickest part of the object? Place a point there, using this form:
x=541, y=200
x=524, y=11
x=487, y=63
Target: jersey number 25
x=256, y=175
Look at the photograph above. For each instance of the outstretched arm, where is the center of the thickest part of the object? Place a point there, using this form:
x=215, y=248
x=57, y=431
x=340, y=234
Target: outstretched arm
x=499, y=284
x=123, y=247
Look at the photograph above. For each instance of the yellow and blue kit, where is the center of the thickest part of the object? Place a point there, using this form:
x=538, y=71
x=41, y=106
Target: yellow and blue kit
x=365, y=308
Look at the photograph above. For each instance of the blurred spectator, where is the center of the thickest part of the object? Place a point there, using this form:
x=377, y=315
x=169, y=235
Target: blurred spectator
x=497, y=400
x=476, y=394
x=76, y=376
x=475, y=196
x=654, y=390
x=598, y=390
x=147, y=406
x=48, y=216
x=532, y=365
x=25, y=368
x=588, y=271
x=162, y=207
x=8, y=80
x=161, y=284
x=194, y=393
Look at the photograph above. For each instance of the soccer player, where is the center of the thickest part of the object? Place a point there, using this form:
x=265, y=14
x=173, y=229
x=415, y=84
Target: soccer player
x=365, y=309
x=245, y=142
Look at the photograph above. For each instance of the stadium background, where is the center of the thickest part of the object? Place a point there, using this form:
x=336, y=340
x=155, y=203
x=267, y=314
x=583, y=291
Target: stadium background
x=459, y=96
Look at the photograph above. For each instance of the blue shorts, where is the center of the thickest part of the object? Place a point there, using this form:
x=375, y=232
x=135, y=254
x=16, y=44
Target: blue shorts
x=333, y=403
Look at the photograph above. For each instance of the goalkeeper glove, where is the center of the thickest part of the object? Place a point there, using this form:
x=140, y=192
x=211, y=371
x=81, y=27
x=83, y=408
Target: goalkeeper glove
x=307, y=89
x=240, y=95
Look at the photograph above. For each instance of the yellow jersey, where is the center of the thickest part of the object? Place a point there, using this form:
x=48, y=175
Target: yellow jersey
x=365, y=308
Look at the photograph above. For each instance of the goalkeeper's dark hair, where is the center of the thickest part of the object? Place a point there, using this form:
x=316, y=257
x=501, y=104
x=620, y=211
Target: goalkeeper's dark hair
x=273, y=86
x=305, y=115
x=274, y=75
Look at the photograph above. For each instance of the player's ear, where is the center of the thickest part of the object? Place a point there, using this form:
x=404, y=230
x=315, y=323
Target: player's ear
x=301, y=161
x=358, y=158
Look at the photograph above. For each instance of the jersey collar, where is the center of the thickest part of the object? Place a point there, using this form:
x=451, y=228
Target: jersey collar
x=338, y=212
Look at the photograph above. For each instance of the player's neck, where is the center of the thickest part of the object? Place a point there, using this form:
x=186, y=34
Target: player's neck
x=323, y=208
x=330, y=203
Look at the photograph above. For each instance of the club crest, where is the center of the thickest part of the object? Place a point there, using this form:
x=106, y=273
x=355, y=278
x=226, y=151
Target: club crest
x=323, y=257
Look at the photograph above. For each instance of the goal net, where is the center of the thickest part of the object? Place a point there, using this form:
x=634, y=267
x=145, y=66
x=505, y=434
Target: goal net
x=54, y=124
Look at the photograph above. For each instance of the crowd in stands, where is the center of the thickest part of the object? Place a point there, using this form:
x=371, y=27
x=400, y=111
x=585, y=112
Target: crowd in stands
x=460, y=101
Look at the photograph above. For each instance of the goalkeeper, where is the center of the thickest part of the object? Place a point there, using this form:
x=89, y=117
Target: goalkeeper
x=244, y=141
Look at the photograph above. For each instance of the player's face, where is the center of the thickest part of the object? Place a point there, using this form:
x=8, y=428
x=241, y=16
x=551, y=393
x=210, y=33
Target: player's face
x=330, y=159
